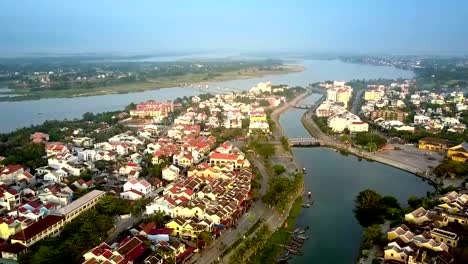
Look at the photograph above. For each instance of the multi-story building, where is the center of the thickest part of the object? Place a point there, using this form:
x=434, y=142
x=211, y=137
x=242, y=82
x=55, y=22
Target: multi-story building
x=50, y=225
x=374, y=94
x=153, y=109
x=84, y=203
x=389, y=115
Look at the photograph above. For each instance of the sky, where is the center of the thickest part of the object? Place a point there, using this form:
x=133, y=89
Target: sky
x=347, y=26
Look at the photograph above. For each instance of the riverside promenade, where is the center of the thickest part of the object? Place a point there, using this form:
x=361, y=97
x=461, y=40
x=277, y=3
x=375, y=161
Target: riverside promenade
x=220, y=249
x=328, y=141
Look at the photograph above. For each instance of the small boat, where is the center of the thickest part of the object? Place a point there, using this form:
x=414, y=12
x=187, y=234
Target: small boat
x=285, y=258
x=299, y=232
x=302, y=237
x=304, y=169
x=299, y=240
x=309, y=194
x=295, y=252
x=305, y=205
x=296, y=230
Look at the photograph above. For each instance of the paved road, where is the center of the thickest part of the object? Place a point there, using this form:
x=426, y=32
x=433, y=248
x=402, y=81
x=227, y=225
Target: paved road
x=259, y=209
x=357, y=102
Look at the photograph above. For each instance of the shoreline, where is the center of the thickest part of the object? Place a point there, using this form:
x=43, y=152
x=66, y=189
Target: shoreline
x=287, y=69
x=308, y=123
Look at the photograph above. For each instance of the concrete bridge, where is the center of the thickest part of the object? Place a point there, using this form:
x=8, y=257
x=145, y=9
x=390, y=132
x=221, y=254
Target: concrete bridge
x=303, y=106
x=303, y=142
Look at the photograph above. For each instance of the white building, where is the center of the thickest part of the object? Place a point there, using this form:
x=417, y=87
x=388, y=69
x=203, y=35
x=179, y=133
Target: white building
x=170, y=173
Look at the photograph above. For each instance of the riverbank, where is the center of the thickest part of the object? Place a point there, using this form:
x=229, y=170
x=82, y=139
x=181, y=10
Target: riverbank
x=327, y=141
x=188, y=80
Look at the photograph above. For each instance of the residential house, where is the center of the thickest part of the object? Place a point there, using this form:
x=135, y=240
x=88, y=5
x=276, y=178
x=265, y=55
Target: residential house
x=170, y=173
x=142, y=186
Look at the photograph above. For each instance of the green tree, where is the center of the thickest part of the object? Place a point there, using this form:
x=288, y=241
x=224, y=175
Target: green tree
x=206, y=237
x=372, y=235
x=278, y=169
x=369, y=208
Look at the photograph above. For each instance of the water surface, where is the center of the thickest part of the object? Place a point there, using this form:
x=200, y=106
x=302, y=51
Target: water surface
x=335, y=180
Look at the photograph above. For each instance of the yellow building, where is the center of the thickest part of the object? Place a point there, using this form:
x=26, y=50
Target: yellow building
x=458, y=153
x=449, y=238
x=373, y=95
x=258, y=118
x=8, y=229
x=434, y=144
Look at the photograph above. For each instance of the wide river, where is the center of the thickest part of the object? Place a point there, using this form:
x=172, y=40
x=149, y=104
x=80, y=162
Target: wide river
x=335, y=180
x=14, y=115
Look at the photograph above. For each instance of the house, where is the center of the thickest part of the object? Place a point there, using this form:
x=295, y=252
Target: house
x=10, y=173
x=141, y=186
x=161, y=204
x=132, y=195
x=401, y=232
x=418, y=216
x=11, y=251
x=170, y=173
x=396, y=253
x=434, y=144
x=220, y=159
x=449, y=238
x=8, y=227
x=103, y=254
x=56, y=149
x=82, y=185
x=132, y=249
x=38, y=137
x=83, y=142
x=458, y=153
x=10, y=199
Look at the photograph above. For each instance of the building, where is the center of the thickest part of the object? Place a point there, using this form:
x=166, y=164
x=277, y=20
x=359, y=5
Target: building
x=389, y=115
x=449, y=238
x=459, y=152
x=340, y=94
x=84, y=203
x=434, y=144
x=153, y=109
x=262, y=87
x=170, y=173
x=221, y=159
x=50, y=225
x=374, y=94
x=142, y=186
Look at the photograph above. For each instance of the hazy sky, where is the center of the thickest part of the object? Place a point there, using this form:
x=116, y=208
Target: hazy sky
x=374, y=26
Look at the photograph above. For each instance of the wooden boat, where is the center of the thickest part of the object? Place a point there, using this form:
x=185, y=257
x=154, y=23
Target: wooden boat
x=296, y=243
x=302, y=237
x=295, y=252
x=300, y=232
x=298, y=240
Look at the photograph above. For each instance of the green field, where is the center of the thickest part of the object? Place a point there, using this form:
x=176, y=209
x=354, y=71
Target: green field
x=163, y=82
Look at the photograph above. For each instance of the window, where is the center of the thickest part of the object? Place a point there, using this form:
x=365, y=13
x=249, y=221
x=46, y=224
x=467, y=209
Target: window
x=391, y=254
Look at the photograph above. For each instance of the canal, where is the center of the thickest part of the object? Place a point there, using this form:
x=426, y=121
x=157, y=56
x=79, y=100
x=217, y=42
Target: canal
x=335, y=180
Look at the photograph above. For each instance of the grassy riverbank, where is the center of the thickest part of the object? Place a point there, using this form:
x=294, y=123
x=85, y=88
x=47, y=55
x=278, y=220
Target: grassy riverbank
x=152, y=84
x=282, y=236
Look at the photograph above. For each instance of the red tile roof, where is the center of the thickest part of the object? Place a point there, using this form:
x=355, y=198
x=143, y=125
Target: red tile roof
x=37, y=227
x=222, y=156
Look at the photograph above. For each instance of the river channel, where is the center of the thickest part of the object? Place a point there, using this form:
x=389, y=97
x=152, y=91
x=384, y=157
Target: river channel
x=14, y=115
x=335, y=180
